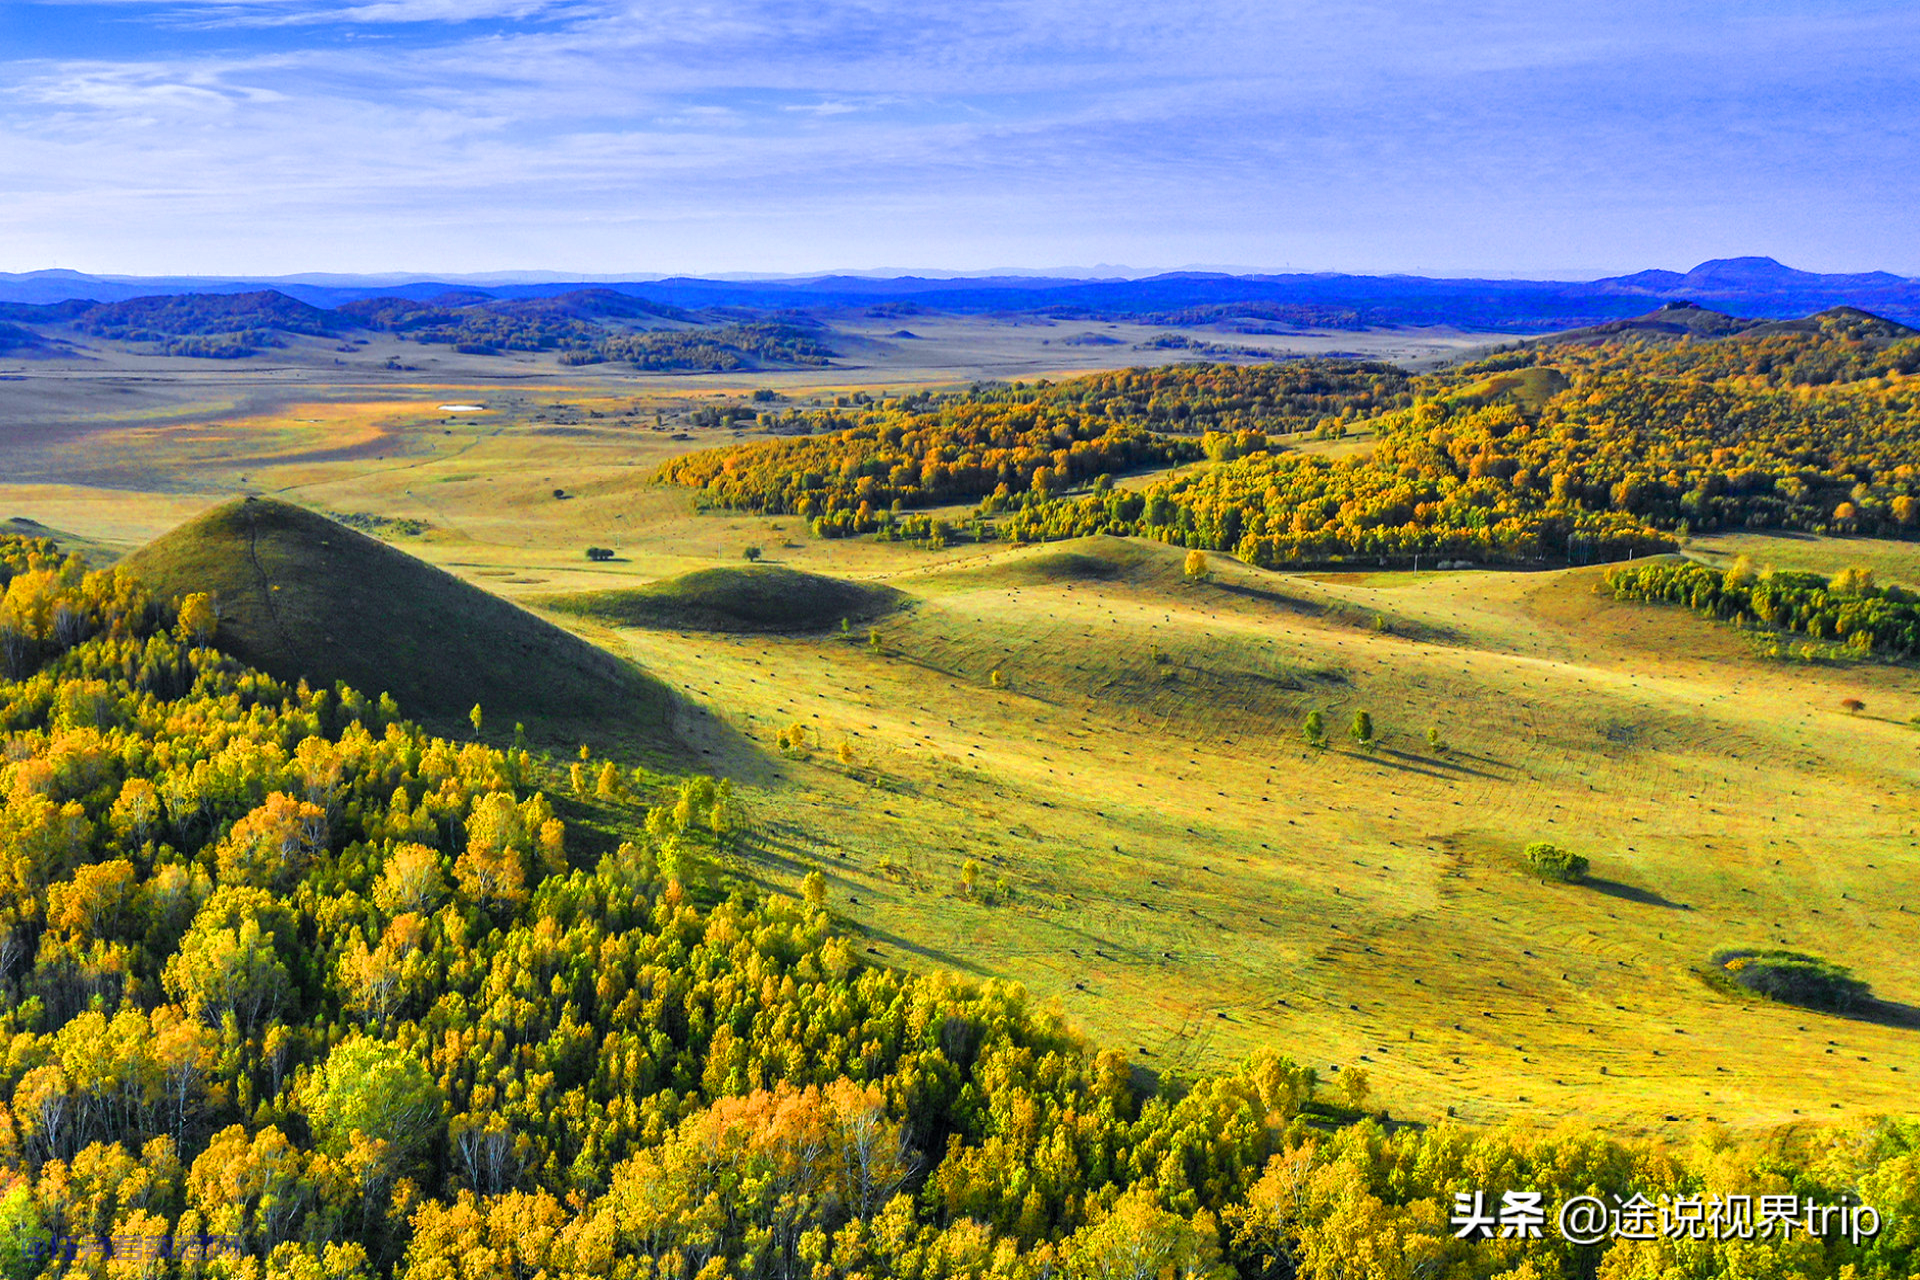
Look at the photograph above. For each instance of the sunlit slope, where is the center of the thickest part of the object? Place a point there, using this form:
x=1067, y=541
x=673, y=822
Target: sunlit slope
x=1188, y=877
x=303, y=596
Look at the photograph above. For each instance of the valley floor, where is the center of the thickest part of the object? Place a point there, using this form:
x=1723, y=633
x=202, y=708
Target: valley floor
x=1158, y=849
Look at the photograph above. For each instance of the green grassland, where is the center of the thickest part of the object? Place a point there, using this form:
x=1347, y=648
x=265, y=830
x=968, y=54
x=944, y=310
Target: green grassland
x=1190, y=879
x=1183, y=874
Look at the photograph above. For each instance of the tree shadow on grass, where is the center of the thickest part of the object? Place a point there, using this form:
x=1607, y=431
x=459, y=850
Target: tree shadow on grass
x=1302, y=605
x=1438, y=766
x=1406, y=762
x=1633, y=893
x=1881, y=1013
x=1886, y=1013
x=902, y=943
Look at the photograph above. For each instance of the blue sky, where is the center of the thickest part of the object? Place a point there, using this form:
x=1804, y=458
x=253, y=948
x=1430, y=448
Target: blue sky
x=1544, y=137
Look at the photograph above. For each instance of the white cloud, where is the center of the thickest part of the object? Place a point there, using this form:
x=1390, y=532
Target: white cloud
x=302, y=136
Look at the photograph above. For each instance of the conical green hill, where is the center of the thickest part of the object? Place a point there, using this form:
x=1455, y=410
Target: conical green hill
x=302, y=596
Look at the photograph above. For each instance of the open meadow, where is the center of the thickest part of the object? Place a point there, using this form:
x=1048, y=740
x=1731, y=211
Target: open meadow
x=1075, y=766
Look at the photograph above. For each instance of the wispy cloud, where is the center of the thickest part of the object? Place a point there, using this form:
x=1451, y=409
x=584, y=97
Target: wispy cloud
x=686, y=135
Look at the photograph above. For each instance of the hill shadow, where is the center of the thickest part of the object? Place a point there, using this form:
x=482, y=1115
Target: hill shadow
x=1633, y=893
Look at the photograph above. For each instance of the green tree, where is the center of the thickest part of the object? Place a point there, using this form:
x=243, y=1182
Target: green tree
x=473, y=718
x=1554, y=863
x=230, y=963
x=375, y=1089
x=1315, y=728
x=21, y=1229
x=1362, y=729
x=751, y=554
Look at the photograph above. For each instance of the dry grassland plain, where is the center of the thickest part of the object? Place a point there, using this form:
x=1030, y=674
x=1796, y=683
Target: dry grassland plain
x=1159, y=850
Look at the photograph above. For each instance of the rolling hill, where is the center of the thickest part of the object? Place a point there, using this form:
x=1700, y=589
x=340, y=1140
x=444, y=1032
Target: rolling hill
x=303, y=596
x=748, y=599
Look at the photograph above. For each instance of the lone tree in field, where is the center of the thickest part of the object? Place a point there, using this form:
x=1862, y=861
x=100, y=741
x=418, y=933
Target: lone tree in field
x=752, y=554
x=1196, y=567
x=994, y=678
x=1551, y=862
x=969, y=876
x=1315, y=727
x=599, y=553
x=1793, y=977
x=1362, y=729
x=873, y=639
x=1852, y=706
x=473, y=718
x=1436, y=743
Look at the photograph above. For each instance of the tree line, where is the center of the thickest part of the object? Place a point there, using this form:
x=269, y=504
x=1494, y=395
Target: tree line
x=1812, y=426
x=841, y=468
x=1847, y=607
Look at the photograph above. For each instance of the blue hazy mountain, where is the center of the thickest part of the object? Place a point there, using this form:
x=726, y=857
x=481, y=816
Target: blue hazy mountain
x=1750, y=286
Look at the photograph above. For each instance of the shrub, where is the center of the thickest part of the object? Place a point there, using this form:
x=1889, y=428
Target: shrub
x=1792, y=977
x=599, y=553
x=1554, y=863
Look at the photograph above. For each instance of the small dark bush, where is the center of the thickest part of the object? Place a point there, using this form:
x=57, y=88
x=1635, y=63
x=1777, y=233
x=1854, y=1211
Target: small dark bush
x=1555, y=863
x=599, y=553
x=1792, y=977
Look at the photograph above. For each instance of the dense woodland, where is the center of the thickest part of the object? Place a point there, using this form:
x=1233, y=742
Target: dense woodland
x=591, y=327
x=1000, y=442
x=716, y=350
x=586, y=326
x=209, y=326
x=1617, y=449
x=281, y=968
x=572, y=323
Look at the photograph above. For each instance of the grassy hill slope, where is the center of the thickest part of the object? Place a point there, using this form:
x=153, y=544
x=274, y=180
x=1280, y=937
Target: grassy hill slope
x=752, y=598
x=1161, y=851
x=301, y=595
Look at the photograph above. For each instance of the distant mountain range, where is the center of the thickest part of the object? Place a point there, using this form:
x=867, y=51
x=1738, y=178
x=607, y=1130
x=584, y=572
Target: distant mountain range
x=1757, y=287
